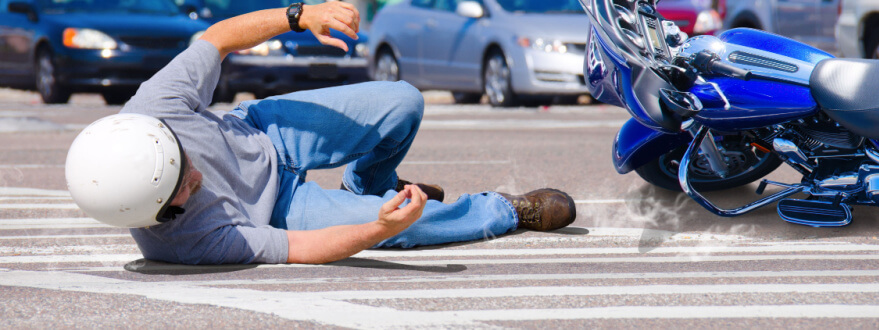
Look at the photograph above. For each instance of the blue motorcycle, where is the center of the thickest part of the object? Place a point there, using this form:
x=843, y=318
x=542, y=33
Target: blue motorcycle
x=712, y=113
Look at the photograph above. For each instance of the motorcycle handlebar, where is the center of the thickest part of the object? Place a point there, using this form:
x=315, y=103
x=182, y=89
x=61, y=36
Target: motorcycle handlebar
x=729, y=70
x=709, y=62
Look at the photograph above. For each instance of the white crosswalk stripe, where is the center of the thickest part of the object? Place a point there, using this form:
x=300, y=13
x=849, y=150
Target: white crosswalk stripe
x=488, y=279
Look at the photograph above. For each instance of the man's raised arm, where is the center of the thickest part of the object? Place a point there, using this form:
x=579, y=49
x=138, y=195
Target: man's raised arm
x=248, y=30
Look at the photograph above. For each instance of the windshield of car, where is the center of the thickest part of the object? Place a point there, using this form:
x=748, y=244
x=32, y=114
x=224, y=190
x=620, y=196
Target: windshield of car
x=542, y=6
x=229, y=8
x=162, y=7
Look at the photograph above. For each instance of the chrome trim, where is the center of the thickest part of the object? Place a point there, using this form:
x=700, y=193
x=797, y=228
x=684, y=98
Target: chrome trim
x=791, y=151
x=684, y=180
x=872, y=154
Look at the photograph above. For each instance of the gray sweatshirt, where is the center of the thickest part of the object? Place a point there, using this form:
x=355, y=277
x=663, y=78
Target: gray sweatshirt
x=228, y=220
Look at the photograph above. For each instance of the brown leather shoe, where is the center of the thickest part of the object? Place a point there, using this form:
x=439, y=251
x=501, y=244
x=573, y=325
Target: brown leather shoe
x=543, y=209
x=434, y=192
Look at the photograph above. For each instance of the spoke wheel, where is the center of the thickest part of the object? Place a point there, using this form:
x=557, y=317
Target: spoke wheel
x=386, y=67
x=496, y=80
x=47, y=83
x=745, y=166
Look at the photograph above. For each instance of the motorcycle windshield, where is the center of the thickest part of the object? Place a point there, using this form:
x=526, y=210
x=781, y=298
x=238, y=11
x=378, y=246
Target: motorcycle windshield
x=615, y=67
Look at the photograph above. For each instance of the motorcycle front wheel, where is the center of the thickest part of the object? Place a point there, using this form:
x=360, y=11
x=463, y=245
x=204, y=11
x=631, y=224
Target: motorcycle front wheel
x=746, y=165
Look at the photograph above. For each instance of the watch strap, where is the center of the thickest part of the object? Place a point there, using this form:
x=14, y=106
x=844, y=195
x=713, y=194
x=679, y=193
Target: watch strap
x=294, y=12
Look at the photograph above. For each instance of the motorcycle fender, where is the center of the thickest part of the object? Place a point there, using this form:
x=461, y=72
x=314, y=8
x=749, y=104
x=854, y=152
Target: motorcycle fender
x=636, y=144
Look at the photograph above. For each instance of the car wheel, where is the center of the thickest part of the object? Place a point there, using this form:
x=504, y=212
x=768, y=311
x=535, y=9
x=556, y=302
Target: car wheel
x=566, y=99
x=466, y=98
x=386, y=67
x=496, y=81
x=47, y=83
x=223, y=93
x=875, y=49
x=117, y=96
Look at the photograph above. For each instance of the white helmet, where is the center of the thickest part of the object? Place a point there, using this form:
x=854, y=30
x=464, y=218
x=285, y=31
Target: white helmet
x=125, y=169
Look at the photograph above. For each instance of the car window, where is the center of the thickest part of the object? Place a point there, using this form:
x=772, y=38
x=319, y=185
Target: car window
x=165, y=7
x=449, y=5
x=4, y=5
x=229, y=8
x=422, y=3
x=541, y=6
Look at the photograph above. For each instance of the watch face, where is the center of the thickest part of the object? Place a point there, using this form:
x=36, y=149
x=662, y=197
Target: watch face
x=293, y=13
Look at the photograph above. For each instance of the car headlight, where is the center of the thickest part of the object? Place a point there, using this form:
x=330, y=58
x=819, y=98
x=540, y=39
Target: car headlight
x=361, y=50
x=707, y=21
x=87, y=39
x=195, y=37
x=541, y=44
x=268, y=48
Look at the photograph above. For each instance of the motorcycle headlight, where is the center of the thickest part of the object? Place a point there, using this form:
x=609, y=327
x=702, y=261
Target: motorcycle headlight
x=195, y=37
x=87, y=39
x=268, y=48
x=541, y=44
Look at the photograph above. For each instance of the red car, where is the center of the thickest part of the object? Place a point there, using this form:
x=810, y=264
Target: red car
x=694, y=17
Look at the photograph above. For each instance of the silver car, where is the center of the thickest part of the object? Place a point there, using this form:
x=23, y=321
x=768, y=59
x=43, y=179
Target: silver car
x=511, y=50
x=808, y=21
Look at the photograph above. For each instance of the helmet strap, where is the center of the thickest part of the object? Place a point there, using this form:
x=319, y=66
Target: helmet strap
x=171, y=213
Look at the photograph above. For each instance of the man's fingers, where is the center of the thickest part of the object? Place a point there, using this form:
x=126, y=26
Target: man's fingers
x=341, y=26
x=347, y=15
x=416, y=200
x=330, y=41
x=394, y=202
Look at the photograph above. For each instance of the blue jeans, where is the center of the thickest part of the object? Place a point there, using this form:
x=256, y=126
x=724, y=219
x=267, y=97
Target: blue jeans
x=369, y=127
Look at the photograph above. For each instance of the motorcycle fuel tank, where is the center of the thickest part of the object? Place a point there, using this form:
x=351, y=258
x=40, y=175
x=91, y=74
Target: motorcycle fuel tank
x=779, y=91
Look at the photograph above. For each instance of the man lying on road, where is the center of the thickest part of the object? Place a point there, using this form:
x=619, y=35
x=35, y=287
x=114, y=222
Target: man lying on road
x=199, y=189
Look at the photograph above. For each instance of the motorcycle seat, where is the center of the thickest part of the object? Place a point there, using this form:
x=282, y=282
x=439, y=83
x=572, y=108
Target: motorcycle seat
x=848, y=91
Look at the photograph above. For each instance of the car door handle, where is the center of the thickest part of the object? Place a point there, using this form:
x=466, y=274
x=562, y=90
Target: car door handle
x=431, y=22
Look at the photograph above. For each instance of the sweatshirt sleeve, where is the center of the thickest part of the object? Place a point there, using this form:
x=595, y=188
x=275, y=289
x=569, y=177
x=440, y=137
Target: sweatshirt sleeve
x=229, y=244
x=235, y=244
x=186, y=84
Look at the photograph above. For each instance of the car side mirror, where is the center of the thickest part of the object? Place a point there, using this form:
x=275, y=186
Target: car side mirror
x=470, y=9
x=23, y=8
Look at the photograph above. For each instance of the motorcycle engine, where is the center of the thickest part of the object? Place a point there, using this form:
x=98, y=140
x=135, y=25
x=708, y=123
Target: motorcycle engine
x=821, y=136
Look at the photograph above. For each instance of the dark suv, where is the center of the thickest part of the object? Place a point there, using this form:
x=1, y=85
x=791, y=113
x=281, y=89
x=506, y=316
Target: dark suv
x=59, y=47
x=289, y=62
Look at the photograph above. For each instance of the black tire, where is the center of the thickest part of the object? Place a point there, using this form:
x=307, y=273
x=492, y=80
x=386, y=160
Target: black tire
x=51, y=91
x=223, y=93
x=751, y=166
x=873, y=46
x=387, y=68
x=566, y=99
x=117, y=96
x=466, y=98
x=871, y=37
x=497, y=81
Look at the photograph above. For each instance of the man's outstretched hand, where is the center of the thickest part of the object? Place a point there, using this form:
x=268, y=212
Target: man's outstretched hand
x=397, y=219
x=336, y=15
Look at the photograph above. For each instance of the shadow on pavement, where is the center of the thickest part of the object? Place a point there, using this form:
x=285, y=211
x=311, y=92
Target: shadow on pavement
x=378, y=264
x=571, y=231
x=150, y=267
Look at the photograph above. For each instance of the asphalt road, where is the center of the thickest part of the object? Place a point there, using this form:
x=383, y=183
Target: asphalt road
x=636, y=257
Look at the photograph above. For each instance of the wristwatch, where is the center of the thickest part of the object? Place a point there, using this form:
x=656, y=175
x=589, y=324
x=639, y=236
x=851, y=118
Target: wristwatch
x=293, y=14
